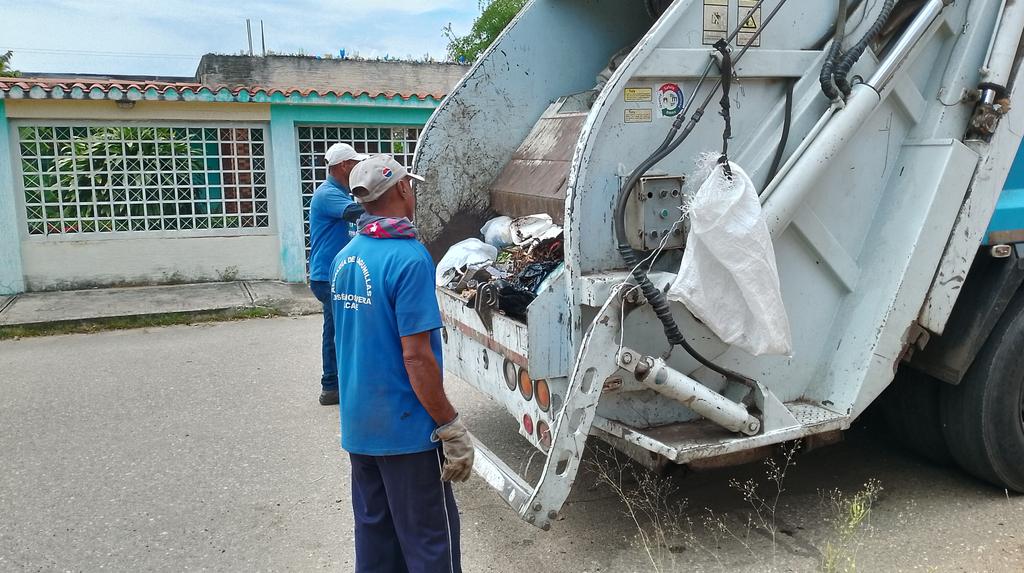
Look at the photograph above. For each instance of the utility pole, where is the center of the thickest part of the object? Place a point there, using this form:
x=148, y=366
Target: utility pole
x=263, y=39
x=248, y=32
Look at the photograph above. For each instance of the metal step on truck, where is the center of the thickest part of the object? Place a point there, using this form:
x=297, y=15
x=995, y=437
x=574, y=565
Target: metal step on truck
x=878, y=135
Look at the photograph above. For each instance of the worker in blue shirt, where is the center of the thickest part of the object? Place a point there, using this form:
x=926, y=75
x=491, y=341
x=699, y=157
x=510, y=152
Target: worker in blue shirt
x=405, y=441
x=331, y=214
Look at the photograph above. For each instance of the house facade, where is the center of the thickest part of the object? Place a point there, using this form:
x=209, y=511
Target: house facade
x=118, y=181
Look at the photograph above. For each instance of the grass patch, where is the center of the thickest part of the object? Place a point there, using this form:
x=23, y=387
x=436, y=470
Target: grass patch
x=130, y=322
x=850, y=517
x=666, y=528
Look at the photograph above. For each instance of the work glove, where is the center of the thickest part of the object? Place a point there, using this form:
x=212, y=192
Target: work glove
x=458, y=450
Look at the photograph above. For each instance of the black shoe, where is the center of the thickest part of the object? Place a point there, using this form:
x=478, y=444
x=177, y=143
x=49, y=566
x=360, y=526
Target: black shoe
x=328, y=398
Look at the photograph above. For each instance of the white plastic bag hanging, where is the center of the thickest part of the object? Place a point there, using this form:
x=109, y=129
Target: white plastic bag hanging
x=728, y=278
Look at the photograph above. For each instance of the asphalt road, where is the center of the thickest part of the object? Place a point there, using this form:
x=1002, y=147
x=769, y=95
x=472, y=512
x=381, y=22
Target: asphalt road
x=203, y=448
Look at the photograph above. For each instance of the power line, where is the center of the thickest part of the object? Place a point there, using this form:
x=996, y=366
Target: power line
x=100, y=53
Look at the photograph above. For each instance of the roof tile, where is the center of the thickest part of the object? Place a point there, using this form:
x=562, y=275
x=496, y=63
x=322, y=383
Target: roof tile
x=105, y=86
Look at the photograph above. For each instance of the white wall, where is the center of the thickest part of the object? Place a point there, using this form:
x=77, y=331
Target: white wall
x=66, y=264
x=304, y=72
x=109, y=259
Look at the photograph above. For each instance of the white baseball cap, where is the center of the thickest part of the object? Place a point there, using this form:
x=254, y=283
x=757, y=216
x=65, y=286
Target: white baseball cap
x=374, y=176
x=342, y=152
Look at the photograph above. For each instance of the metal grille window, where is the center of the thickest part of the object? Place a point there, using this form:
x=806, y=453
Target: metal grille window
x=110, y=178
x=400, y=142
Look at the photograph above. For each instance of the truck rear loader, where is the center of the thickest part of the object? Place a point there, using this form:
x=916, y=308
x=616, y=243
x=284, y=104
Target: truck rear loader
x=879, y=135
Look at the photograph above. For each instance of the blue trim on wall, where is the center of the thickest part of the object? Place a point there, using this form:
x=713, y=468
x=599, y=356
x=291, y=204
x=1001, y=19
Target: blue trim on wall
x=285, y=159
x=287, y=197
x=354, y=115
x=12, y=272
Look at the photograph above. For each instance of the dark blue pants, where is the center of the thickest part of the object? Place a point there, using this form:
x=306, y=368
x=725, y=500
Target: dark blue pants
x=406, y=519
x=322, y=292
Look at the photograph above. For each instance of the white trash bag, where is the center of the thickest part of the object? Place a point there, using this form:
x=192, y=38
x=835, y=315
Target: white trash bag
x=498, y=232
x=471, y=252
x=728, y=278
x=533, y=227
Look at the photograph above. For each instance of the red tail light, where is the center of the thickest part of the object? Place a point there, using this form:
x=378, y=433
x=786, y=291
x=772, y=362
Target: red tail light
x=528, y=424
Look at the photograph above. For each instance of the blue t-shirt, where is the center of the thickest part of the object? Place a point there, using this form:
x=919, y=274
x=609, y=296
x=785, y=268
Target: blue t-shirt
x=382, y=290
x=330, y=211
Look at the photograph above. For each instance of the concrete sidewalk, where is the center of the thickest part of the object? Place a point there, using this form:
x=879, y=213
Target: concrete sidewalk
x=85, y=305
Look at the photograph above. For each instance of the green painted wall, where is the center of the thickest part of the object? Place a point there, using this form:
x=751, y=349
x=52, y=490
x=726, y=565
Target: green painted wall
x=284, y=120
x=12, y=275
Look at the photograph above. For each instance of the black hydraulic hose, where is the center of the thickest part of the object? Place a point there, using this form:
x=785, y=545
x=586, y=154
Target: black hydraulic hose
x=787, y=124
x=828, y=86
x=845, y=64
x=824, y=39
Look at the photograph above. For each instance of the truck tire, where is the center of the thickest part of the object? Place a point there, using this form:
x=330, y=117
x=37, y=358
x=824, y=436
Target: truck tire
x=983, y=416
x=910, y=407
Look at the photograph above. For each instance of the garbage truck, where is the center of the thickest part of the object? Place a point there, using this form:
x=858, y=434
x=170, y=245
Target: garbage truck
x=875, y=139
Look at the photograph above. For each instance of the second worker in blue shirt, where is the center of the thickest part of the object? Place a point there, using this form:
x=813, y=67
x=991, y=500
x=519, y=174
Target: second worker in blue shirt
x=331, y=214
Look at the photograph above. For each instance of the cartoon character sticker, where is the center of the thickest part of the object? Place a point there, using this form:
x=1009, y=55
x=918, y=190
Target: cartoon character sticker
x=671, y=98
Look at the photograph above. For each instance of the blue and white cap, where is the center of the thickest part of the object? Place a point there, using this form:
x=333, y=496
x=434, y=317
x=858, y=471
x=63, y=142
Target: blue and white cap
x=374, y=176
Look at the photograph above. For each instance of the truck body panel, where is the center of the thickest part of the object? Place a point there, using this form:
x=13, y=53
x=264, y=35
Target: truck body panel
x=875, y=204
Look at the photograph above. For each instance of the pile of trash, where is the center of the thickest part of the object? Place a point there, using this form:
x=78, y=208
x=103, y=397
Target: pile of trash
x=507, y=269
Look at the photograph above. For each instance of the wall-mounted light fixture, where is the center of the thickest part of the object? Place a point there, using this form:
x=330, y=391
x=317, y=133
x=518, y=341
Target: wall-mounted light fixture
x=125, y=103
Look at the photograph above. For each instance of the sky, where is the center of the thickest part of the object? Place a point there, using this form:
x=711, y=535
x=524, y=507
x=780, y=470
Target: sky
x=167, y=37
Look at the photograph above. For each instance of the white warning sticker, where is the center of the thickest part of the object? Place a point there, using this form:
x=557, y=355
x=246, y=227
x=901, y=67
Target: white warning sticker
x=639, y=115
x=716, y=20
x=750, y=25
